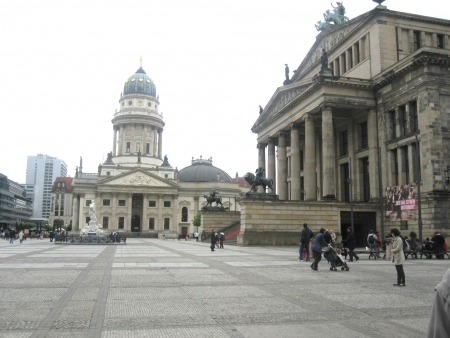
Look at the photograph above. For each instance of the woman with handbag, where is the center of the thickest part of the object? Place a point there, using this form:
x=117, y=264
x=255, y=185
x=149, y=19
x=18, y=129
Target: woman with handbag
x=398, y=257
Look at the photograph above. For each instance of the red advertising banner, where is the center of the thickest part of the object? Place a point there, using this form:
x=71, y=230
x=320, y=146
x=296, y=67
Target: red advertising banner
x=400, y=203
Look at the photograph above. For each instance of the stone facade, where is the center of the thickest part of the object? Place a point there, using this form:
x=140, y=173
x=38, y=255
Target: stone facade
x=343, y=139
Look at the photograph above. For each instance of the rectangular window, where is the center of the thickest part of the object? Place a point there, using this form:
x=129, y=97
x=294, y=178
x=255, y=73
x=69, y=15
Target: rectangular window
x=301, y=160
x=413, y=120
x=302, y=188
x=152, y=204
x=406, y=164
x=121, y=222
x=151, y=224
x=350, y=58
x=106, y=203
x=364, y=136
x=105, y=222
x=147, y=148
x=392, y=124
x=402, y=120
x=166, y=223
x=167, y=204
x=345, y=184
x=395, y=168
x=416, y=159
x=122, y=203
x=88, y=202
x=440, y=41
x=56, y=213
x=128, y=147
x=344, y=63
x=61, y=213
x=344, y=143
x=366, y=178
x=416, y=37
x=338, y=68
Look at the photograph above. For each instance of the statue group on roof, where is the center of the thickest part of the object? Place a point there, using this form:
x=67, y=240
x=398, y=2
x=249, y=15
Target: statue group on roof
x=337, y=17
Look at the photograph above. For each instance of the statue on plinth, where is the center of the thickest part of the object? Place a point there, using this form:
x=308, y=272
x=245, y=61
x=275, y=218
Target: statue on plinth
x=286, y=74
x=212, y=198
x=259, y=179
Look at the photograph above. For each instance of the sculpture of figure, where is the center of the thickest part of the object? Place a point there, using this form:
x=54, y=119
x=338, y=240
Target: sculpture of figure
x=76, y=171
x=165, y=158
x=324, y=59
x=81, y=163
x=286, y=72
x=92, y=214
x=260, y=110
x=212, y=198
x=139, y=156
x=99, y=169
x=109, y=159
x=337, y=17
x=258, y=180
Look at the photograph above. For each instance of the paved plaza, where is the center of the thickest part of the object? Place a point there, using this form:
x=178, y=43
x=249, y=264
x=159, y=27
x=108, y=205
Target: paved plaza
x=155, y=288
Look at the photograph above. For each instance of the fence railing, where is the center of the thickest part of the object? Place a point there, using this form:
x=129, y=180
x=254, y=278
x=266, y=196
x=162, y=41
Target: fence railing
x=90, y=239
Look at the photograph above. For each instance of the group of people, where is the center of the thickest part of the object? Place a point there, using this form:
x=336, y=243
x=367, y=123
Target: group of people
x=217, y=240
x=53, y=234
x=12, y=235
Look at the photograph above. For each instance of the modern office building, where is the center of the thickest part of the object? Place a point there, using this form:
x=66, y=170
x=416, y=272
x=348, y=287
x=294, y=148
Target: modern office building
x=42, y=171
x=15, y=208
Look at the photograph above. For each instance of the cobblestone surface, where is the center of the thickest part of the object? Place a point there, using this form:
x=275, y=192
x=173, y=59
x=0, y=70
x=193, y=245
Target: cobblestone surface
x=154, y=288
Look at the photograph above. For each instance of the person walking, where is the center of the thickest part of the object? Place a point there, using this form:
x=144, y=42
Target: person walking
x=305, y=238
x=439, y=324
x=12, y=235
x=371, y=242
x=21, y=236
x=50, y=235
x=213, y=239
x=25, y=235
x=398, y=257
x=376, y=236
x=221, y=239
x=317, y=249
x=333, y=238
x=350, y=241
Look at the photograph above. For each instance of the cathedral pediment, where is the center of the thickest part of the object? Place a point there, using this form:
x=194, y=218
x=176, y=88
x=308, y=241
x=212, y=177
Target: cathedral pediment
x=138, y=177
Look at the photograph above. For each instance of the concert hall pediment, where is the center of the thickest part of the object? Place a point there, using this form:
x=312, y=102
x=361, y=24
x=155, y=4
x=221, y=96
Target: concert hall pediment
x=138, y=178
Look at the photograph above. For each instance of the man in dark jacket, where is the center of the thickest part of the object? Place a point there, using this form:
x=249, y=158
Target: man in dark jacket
x=12, y=236
x=317, y=249
x=351, y=244
x=305, y=238
x=213, y=239
x=439, y=244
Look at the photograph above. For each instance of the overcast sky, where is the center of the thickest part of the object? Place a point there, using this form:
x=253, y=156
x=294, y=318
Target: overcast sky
x=64, y=63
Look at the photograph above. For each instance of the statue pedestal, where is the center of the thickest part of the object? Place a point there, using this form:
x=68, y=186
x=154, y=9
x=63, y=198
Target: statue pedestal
x=214, y=208
x=261, y=196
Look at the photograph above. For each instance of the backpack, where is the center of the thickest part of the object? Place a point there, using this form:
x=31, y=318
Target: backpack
x=371, y=240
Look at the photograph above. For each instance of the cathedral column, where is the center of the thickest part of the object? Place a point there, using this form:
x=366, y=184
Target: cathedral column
x=130, y=216
x=114, y=141
x=160, y=132
x=310, y=161
x=155, y=141
x=98, y=209
x=295, y=163
x=373, y=153
x=411, y=157
x=133, y=139
x=114, y=224
x=144, y=219
x=282, y=168
x=144, y=140
x=81, y=219
x=261, y=160
x=196, y=199
x=160, y=204
x=121, y=140
x=328, y=154
x=271, y=173
x=75, y=212
x=175, y=213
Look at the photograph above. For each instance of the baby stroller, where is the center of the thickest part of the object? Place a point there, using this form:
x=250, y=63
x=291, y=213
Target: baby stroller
x=334, y=260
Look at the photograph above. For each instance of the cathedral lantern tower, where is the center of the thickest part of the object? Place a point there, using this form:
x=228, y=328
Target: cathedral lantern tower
x=138, y=125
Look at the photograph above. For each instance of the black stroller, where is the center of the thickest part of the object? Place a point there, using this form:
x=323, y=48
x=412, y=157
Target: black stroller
x=334, y=260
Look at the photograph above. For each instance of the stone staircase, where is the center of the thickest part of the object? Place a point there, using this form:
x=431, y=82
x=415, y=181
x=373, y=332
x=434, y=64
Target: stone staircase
x=230, y=232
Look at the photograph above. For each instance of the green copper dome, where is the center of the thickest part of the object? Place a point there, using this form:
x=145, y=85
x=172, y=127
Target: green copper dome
x=140, y=83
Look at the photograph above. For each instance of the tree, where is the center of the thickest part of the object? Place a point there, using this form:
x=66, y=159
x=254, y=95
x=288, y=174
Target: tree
x=197, y=220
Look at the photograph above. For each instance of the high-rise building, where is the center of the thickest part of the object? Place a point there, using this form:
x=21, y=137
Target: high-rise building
x=42, y=171
x=15, y=208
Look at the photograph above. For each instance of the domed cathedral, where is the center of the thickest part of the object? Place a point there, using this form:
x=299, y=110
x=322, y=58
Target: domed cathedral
x=136, y=190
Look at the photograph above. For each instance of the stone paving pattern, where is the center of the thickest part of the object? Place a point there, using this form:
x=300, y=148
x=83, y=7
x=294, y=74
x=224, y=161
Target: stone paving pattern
x=155, y=288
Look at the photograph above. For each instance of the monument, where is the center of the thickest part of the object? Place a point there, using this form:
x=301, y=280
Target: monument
x=92, y=228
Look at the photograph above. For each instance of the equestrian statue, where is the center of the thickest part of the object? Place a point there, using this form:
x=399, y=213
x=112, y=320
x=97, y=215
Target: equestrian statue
x=258, y=180
x=212, y=198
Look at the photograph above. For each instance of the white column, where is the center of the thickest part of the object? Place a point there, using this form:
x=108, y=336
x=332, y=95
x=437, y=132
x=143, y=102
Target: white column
x=261, y=160
x=155, y=141
x=114, y=215
x=328, y=153
x=129, y=218
x=144, y=140
x=114, y=141
x=175, y=217
x=121, y=140
x=160, y=132
x=310, y=161
x=271, y=173
x=295, y=163
x=282, y=168
x=144, y=220
x=160, y=220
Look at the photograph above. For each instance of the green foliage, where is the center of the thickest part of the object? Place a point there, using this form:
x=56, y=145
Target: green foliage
x=47, y=227
x=28, y=225
x=197, y=220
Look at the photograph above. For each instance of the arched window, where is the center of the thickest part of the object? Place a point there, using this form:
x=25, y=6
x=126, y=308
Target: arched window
x=184, y=214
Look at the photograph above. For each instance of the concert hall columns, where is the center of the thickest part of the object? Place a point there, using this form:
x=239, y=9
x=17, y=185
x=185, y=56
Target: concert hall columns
x=310, y=160
x=282, y=166
x=295, y=163
x=261, y=160
x=271, y=163
x=328, y=154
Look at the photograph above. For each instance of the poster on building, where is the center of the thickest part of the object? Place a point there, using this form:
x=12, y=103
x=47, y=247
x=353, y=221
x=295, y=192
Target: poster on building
x=400, y=203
